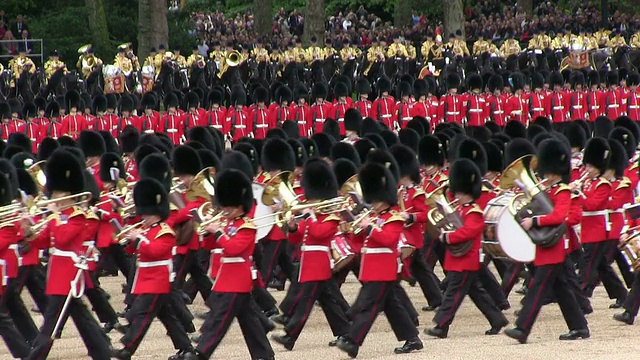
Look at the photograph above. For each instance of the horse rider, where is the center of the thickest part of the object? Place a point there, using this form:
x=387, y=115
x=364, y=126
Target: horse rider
x=461, y=43
x=509, y=47
x=87, y=62
x=179, y=59
x=617, y=40
x=122, y=62
x=195, y=59
x=426, y=45
x=314, y=52
x=397, y=49
x=149, y=61
x=19, y=64
x=480, y=46
x=54, y=64
x=132, y=56
x=259, y=52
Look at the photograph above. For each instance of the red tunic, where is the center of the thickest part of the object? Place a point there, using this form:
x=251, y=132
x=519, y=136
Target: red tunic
x=383, y=109
x=578, y=105
x=612, y=104
x=452, y=108
x=497, y=109
x=595, y=104
x=471, y=230
x=278, y=114
x=477, y=110
x=594, y=226
x=149, y=123
x=365, y=107
x=173, y=126
x=314, y=234
x=538, y=105
x=32, y=130
x=622, y=193
x=337, y=113
x=517, y=108
x=238, y=123
x=319, y=113
x=237, y=241
x=259, y=118
x=301, y=114
x=633, y=105
x=560, y=195
x=412, y=200
x=154, y=264
x=380, y=258
x=573, y=223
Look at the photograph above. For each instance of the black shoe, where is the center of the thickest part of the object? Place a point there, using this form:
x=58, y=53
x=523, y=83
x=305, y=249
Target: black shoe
x=348, y=346
x=625, y=317
x=189, y=328
x=276, y=284
x=180, y=355
x=115, y=325
x=575, y=335
x=409, y=346
x=517, y=334
x=121, y=354
x=203, y=315
x=334, y=342
x=587, y=311
x=430, y=307
x=196, y=338
x=271, y=312
x=438, y=332
x=617, y=305
x=284, y=340
x=495, y=330
x=193, y=355
x=269, y=327
x=123, y=314
x=186, y=298
x=280, y=319
x=504, y=306
x=411, y=281
x=522, y=290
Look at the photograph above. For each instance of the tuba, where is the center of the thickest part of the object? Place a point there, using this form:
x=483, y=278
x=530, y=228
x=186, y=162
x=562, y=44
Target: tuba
x=520, y=173
x=444, y=218
x=202, y=185
x=233, y=58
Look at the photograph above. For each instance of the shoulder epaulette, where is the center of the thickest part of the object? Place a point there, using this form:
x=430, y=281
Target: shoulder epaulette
x=624, y=183
x=562, y=187
x=91, y=215
x=165, y=230
x=602, y=181
x=77, y=212
x=395, y=216
x=247, y=224
x=634, y=166
x=331, y=217
x=475, y=208
x=418, y=192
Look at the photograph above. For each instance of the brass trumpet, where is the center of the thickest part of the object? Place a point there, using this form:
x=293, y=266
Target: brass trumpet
x=325, y=207
x=84, y=197
x=353, y=227
x=120, y=236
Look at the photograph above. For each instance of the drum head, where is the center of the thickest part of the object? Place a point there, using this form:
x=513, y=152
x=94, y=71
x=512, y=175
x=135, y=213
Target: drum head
x=262, y=213
x=514, y=240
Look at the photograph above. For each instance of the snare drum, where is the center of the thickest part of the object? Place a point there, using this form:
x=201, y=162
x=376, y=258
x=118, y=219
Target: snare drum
x=341, y=252
x=503, y=236
x=631, y=251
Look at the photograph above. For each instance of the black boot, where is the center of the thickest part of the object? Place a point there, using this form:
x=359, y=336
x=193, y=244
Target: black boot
x=115, y=325
x=280, y=319
x=495, y=329
x=625, y=317
x=121, y=354
x=617, y=305
x=284, y=340
x=430, y=307
x=575, y=335
x=517, y=334
x=439, y=332
x=348, y=346
x=409, y=346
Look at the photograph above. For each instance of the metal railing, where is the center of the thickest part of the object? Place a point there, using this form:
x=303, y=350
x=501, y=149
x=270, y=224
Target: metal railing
x=36, y=46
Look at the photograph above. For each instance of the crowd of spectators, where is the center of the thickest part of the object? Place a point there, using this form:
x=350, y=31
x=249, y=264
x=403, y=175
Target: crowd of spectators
x=17, y=33
x=495, y=18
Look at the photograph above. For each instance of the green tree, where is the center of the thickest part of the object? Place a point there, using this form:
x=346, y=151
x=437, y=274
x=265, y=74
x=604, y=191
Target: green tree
x=98, y=25
x=314, y=21
x=402, y=13
x=453, y=16
x=263, y=18
x=153, y=28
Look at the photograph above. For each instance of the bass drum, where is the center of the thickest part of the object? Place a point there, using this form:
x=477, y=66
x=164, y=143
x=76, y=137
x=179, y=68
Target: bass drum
x=265, y=216
x=503, y=236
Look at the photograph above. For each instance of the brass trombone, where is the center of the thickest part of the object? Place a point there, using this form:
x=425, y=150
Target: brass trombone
x=326, y=207
x=36, y=171
x=84, y=197
x=120, y=236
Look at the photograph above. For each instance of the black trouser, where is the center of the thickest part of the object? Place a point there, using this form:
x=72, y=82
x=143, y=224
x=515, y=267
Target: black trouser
x=597, y=264
x=401, y=295
x=116, y=253
x=203, y=258
x=491, y=285
x=92, y=335
x=375, y=297
x=310, y=292
x=273, y=253
x=573, y=281
x=145, y=308
x=632, y=303
x=462, y=283
x=225, y=307
x=14, y=340
x=188, y=263
x=263, y=298
x=33, y=277
x=550, y=280
x=511, y=276
x=424, y=275
x=100, y=301
x=19, y=313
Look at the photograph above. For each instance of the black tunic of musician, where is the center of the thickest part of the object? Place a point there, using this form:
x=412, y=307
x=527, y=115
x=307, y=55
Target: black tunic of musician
x=550, y=275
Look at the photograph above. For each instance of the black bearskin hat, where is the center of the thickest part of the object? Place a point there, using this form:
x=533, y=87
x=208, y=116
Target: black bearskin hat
x=612, y=78
x=431, y=151
x=129, y=138
x=537, y=81
x=452, y=81
x=299, y=152
x=109, y=161
x=283, y=94
x=92, y=143
x=576, y=135
x=319, y=90
x=208, y=158
x=389, y=137
x=324, y=143
x=516, y=81
x=577, y=78
x=151, y=198
x=238, y=96
x=343, y=169
x=47, y=147
x=625, y=138
x=517, y=148
x=554, y=157
x=515, y=129
x=534, y=130
x=233, y=188
x=385, y=158
x=126, y=103
x=633, y=79
x=318, y=180
x=543, y=121
x=556, y=79
x=410, y=138
x=474, y=151
x=632, y=126
x=192, y=100
x=203, y=136
x=185, y=161
x=64, y=173
x=602, y=126
x=276, y=133
x=495, y=156
x=251, y=154
x=340, y=90
x=619, y=160
x=474, y=81
x=597, y=153
x=29, y=110
x=370, y=126
x=378, y=184
x=110, y=144
x=72, y=100
x=156, y=166
x=331, y=128
x=407, y=162
x=347, y=151
x=404, y=89
x=260, y=95
x=495, y=83
x=383, y=85
x=466, y=178
x=148, y=101
x=594, y=78
x=364, y=146
x=420, y=88
x=363, y=86
x=20, y=140
x=277, y=155
x=352, y=120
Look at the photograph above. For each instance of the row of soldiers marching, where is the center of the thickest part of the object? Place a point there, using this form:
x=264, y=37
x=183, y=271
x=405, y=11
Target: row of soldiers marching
x=492, y=100
x=589, y=172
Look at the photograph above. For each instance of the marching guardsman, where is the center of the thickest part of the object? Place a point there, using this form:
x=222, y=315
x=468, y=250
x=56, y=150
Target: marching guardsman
x=237, y=116
x=321, y=109
x=153, y=242
x=259, y=114
x=633, y=99
x=363, y=104
x=557, y=102
x=87, y=62
x=451, y=105
x=578, y=99
x=127, y=106
x=314, y=234
x=421, y=106
x=431, y=154
x=172, y=123
x=93, y=147
x=150, y=119
x=18, y=346
x=122, y=62
x=54, y=64
x=352, y=125
x=281, y=112
x=476, y=107
x=612, y=102
x=595, y=96
x=231, y=293
x=74, y=123
x=510, y=47
x=403, y=106
x=595, y=226
x=538, y=101
x=99, y=105
x=384, y=106
x=129, y=139
x=41, y=106
x=31, y=128
x=217, y=115
x=517, y=106
x=192, y=117
x=54, y=128
x=60, y=235
x=462, y=271
x=379, y=265
x=301, y=111
x=341, y=104
x=550, y=276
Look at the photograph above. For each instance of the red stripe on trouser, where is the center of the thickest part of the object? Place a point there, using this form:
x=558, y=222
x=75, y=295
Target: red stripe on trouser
x=587, y=272
x=147, y=319
x=372, y=315
x=224, y=320
x=271, y=263
x=456, y=300
x=294, y=303
x=298, y=329
x=535, y=302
